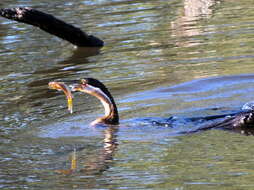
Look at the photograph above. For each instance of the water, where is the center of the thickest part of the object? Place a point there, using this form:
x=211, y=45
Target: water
x=161, y=59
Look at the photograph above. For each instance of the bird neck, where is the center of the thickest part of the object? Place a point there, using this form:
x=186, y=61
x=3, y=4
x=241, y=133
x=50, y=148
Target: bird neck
x=110, y=108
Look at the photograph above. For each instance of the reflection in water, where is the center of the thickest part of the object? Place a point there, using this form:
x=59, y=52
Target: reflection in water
x=194, y=9
x=96, y=164
x=186, y=25
x=64, y=69
x=3, y=50
x=73, y=167
x=104, y=158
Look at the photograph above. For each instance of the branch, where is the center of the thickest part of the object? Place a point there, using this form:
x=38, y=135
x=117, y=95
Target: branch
x=52, y=25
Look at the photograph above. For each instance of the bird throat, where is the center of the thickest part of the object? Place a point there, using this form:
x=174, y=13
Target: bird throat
x=106, y=102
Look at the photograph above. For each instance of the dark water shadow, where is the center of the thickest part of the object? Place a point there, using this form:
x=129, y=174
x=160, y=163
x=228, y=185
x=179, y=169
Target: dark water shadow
x=63, y=70
x=78, y=57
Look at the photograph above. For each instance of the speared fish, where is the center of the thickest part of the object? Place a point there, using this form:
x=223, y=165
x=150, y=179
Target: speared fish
x=63, y=87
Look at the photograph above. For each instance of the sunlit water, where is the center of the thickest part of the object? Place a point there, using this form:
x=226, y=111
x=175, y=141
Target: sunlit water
x=161, y=60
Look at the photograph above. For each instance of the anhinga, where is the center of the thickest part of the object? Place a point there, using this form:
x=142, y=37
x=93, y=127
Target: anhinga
x=241, y=122
x=95, y=88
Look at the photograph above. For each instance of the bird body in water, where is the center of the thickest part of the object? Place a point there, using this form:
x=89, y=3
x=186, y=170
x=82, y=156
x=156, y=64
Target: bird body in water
x=242, y=122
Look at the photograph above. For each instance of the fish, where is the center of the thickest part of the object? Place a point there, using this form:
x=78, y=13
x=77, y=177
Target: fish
x=61, y=86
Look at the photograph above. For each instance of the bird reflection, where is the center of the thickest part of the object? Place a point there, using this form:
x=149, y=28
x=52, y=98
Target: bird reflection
x=96, y=164
x=104, y=159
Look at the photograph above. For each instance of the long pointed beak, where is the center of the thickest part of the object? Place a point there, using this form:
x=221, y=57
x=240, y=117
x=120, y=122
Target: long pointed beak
x=77, y=87
x=94, y=91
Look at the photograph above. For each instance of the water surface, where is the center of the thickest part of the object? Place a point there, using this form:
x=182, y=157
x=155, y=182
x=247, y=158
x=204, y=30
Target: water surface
x=161, y=59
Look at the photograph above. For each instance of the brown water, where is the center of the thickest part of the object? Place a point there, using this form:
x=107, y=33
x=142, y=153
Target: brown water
x=161, y=59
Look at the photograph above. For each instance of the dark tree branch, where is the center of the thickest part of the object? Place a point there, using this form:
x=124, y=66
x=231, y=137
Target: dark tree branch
x=52, y=25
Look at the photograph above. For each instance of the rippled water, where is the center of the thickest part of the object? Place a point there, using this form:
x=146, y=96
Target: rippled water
x=187, y=58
